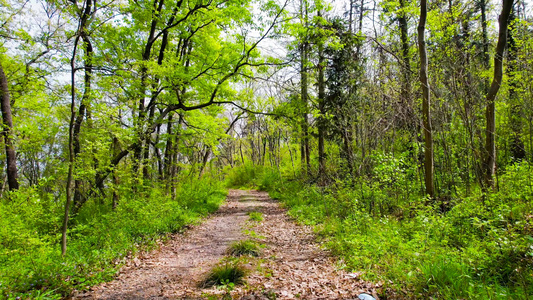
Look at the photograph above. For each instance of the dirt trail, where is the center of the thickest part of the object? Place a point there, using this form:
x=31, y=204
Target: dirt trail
x=291, y=265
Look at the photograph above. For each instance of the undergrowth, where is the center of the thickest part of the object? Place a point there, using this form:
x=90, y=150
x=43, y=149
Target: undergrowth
x=472, y=247
x=99, y=238
x=256, y=216
x=229, y=271
x=244, y=247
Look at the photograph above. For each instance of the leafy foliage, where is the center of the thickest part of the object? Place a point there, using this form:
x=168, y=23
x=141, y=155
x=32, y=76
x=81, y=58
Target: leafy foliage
x=477, y=249
x=101, y=240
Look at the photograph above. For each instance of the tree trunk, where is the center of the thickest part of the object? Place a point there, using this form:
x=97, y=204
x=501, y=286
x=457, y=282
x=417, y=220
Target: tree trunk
x=347, y=141
x=518, y=151
x=7, y=118
x=141, y=116
x=169, y=147
x=426, y=108
x=405, y=94
x=147, y=144
x=490, y=115
x=70, y=148
x=304, y=97
x=82, y=33
x=205, y=157
x=116, y=181
x=174, y=160
x=321, y=107
x=79, y=199
x=484, y=33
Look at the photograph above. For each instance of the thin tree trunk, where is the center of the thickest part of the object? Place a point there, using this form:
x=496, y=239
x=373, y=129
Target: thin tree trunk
x=82, y=33
x=490, y=115
x=116, y=182
x=7, y=118
x=426, y=102
x=78, y=197
x=484, y=34
x=240, y=150
x=70, y=148
x=406, y=68
x=347, y=141
x=321, y=108
x=304, y=97
x=205, y=157
x=169, y=147
x=159, y=162
x=140, y=120
x=174, y=159
x=517, y=145
x=147, y=144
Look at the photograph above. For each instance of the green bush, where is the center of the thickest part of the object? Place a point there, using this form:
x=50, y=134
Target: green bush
x=255, y=216
x=244, y=247
x=479, y=248
x=99, y=238
x=230, y=271
x=244, y=176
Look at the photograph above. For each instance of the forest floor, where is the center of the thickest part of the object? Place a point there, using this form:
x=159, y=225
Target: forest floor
x=291, y=264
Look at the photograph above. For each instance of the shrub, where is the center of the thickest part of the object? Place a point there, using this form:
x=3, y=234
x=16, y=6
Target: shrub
x=244, y=176
x=99, y=238
x=224, y=273
x=244, y=247
x=255, y=216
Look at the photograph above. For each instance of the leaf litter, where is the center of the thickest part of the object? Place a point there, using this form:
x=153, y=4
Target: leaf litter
x=291, y=266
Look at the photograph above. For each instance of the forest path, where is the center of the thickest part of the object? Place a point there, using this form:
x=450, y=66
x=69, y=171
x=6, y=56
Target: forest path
x=291, y=265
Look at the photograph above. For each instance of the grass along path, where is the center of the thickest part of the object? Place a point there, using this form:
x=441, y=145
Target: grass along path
x=292, y=265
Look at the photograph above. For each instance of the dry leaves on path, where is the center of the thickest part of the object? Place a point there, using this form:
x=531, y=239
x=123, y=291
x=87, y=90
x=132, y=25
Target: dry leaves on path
x=292, y=265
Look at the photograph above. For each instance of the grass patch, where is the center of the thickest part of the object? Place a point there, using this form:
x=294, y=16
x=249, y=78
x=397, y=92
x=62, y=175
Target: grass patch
x=245, y=247
x=229, y=271
x=100, y=239
x=253, y=234
x=255, y=216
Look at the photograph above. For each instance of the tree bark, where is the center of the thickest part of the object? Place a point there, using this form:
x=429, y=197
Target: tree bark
x=426, y=103
x=490, y=115
x=82, y=33
x=304, y=97
x=140, y=120
x=517, y=144
x=169, y=147
x=321, y=107
x=484, y=33
x=405, y=94
x=205, y=157
x=174, y=159
x=79, y=199
x=7, y=118
x=116, y=181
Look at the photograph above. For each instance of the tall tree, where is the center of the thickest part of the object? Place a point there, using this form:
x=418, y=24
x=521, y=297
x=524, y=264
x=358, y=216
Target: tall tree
x=321, y=123
x=83, y=109
x=7, y=118
x=75, y=120
x=426, y=103
x=490, y=114
x=304, y=57
x=517, y=144
x=405, y=95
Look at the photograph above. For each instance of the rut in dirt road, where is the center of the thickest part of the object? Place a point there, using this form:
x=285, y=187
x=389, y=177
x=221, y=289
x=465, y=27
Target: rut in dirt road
x=291, y=265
